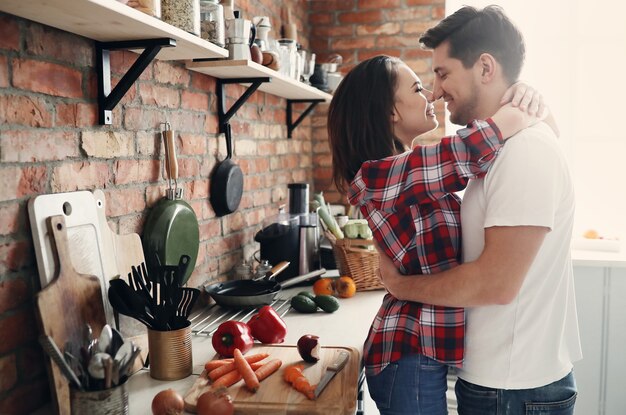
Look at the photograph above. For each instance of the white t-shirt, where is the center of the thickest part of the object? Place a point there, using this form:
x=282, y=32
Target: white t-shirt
x=534, y=340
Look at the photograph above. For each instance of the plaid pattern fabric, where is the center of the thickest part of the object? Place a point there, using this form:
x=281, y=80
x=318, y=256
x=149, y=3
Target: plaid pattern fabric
x=408, y=202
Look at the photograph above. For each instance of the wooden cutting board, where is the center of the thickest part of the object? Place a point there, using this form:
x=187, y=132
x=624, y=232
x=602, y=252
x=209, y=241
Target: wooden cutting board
x=65, y=305
x=275, y=396
x=84, y=235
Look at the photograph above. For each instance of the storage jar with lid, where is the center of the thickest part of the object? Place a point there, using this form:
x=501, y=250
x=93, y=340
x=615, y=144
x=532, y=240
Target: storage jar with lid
x=212, y=22
x=184, y=14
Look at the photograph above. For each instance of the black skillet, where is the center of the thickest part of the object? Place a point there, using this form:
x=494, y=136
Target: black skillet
x=227, y=182
x=251, y=293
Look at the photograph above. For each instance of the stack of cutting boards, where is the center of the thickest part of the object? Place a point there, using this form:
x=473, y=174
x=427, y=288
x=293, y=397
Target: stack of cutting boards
x=275, y=396
x=77, y=254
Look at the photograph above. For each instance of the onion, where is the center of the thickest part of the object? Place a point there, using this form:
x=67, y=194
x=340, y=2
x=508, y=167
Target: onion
x=168, y=402
x=215, y=402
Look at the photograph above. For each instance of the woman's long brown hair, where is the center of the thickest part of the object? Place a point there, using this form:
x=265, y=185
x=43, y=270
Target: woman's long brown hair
x=359, y=118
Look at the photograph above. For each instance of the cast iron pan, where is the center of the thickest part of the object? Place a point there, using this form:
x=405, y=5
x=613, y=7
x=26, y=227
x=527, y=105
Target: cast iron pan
x=227, y=182
x=250, y=293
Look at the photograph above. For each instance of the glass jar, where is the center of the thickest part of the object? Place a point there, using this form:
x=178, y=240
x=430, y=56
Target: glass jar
x=287, y=53
x=184, y=14
x=212, y=22
x=149, y=7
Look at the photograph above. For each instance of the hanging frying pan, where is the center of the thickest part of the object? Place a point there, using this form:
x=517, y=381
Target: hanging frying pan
x=226, y=182
x=171, y=229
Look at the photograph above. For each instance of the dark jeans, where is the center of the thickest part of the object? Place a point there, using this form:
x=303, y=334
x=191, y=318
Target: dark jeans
x=557, y=398
x=414, y=385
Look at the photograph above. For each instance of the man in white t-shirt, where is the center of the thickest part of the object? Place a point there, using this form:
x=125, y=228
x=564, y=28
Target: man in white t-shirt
x=516, y=280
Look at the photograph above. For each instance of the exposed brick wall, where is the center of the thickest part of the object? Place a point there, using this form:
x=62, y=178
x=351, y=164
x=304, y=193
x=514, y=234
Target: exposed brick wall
x=358, y=30
x=50, y=142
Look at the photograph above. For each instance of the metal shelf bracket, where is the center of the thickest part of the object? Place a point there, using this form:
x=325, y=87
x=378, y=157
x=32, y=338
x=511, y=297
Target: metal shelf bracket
x=224, y=115
x=107, y=98
x=291, y=125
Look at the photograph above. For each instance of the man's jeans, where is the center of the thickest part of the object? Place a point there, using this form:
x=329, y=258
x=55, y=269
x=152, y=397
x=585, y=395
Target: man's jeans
x=414, y=385
x=557, y=398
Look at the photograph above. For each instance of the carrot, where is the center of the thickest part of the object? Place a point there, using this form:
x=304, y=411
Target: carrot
x=213, y=364
x=243, y=367
x=228, y=379
x=230, y=366
x=293, y=374
x=267, y=369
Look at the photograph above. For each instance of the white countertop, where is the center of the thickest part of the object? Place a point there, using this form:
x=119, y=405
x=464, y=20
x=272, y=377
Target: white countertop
x=348, y=326
x=597, y=258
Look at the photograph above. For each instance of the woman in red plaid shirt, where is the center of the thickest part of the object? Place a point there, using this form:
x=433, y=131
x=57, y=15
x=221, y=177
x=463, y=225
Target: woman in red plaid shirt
x=377, y=111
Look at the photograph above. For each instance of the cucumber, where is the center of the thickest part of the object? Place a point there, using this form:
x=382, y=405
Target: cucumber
x=328, y=303
x=303, y=304
x=307, y=294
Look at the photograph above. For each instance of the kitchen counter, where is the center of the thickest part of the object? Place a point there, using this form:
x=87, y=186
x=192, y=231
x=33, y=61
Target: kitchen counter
x=347, y=326
x=588, y=258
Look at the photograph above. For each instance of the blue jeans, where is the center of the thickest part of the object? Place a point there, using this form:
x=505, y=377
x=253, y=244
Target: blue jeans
x=557, y=398
x=414, y=385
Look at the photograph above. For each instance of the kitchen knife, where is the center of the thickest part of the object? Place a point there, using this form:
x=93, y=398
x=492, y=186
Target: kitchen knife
x=332, y=370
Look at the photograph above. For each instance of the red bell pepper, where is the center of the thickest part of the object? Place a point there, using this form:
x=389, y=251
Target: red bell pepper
x=267, y=327
x=231, y=335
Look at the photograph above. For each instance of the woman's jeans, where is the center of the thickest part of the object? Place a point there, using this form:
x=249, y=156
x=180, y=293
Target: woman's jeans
x=413, y=385
x=557, y=398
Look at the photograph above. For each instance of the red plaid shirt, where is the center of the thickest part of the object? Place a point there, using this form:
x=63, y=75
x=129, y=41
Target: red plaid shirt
x=408, y=202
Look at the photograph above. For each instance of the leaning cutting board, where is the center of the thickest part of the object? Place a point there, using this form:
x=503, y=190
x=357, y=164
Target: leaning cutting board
x=275, y=396
x=85, y=238
x=65, y=305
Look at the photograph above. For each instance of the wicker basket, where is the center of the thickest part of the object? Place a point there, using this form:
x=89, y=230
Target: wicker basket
x=355, y=259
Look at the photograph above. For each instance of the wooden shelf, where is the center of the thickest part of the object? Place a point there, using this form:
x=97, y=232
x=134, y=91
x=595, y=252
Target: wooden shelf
x=280, y=85
x=110, y=20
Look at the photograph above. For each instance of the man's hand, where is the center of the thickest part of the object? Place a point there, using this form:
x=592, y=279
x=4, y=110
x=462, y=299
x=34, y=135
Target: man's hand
x=389, y=274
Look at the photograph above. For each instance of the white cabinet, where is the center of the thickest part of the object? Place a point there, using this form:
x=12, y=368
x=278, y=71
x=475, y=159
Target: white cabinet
x=601, y=303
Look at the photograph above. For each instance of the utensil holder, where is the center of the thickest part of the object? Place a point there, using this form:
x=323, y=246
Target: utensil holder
x=170, y=353
x=112, y=401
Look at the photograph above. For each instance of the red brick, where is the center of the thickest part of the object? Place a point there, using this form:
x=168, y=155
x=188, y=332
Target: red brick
x=159, y=96
x=142, y=119
x=17, y=330
x=417, y=28
x=195, y=101
x=188, y=121
x=325, y=5
x=107, y=143
x=397, y=41
x=320, y=19
x=136, y=171
x=122, y=60
x=167, y=72
x=424, y=2
x=4, y=74
x=124, y=201
x=378, y=4
x=415, y=13
x=37, y=145
x=390, y=28
x=45, y=41
x=70, y=176
x=8, y=368
x=354, y=44
x=13, y=293
x=332, y=31
x=371, y=16
x=9, y=33
x=202, y=82
x=438, y=13
x=31, y=362
x=47, y=78
x=366, y=54
x=26, y=110
x=188, y=168
x=26, y=398
x=76, y=115
x=16, y=182
x=13, y=218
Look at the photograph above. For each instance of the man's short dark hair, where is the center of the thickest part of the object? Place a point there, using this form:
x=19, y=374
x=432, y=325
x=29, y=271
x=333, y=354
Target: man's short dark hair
x=471, y=32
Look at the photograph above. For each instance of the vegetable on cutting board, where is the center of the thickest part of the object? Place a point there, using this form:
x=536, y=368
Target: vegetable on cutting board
x=294, y=376
x=230, y=366
x=243, y=367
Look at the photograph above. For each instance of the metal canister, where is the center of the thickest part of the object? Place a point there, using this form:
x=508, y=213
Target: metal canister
x=170, y=353
x=113, y=401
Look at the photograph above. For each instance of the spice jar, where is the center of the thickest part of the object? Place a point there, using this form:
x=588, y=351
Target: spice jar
x=184, y=14
x=212, y=22
x=150, y=7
